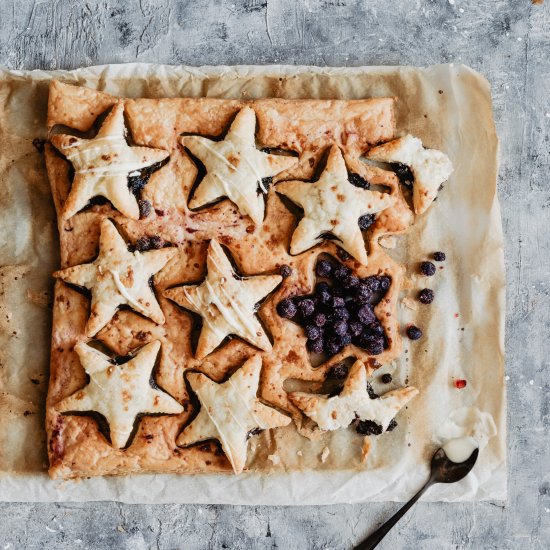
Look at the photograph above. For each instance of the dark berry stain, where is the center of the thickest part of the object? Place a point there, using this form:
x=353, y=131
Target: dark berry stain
x=358, y=181
x=403, y=172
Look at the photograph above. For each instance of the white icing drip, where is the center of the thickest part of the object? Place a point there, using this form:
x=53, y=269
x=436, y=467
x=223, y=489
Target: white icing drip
x=122, y=289
x=460, y=449
x=258, y=423
x=96, y=140
x=200, y=306
x=227, y=185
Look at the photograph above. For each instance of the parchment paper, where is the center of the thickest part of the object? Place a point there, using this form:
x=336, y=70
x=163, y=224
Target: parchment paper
x=447, y=106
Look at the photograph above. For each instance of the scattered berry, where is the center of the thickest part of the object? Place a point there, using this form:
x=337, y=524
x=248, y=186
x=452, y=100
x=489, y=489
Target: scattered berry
x=459, y=384
x=287, y=308
x=414, y=333
x=439, y=256
x=338, y=302
x=427, y=268
x=285, y=271
x=426, y=296
x=366, y=221
x=386, y=378
x=358, y=181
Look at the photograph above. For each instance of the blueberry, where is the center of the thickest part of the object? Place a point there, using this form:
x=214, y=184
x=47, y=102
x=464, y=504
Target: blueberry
x=145, y=208
x=341, y=272
x=366, y=315
x=340, y=314
x=324, y=298
x=439, y=256
x=392, y=425
x=384, y=281
x=386, y=378
x=333, y=345
x=403, y=172
x=363, y=293
x=156, y=242
x=338, y=372
x=322, y=287
x=427, y=268
x=414, y=333
x=337, y=301
x=368, y=427
x=358, y=181
x=355, y=328
x=372, y=283
x=287, y=308
x=351, y=282
x=313, y=332
x=307, y=307
x=323, y=268
x=315, y=346
x=319, y=319
x=371, y=392
x=340, y=328
x=366, y=221
x=426, y=296
x=374, y=329
x=345, y=340
x=373, y=345
x=285, y=271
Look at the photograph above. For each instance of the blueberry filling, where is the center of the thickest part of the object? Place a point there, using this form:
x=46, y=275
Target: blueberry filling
x=403, y=172
x=358, y=181
x=340, y=311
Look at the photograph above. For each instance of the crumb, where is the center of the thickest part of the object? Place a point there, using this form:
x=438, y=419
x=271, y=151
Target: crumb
x=275, y=459
x=299, y=453
x=459, y=384
x=409, y=303
x=324, y=454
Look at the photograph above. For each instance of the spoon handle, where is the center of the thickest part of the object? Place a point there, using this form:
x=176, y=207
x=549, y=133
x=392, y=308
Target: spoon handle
x=373, y=540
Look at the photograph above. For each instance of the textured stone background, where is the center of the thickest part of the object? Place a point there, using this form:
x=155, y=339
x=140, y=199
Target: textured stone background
x=508, y=42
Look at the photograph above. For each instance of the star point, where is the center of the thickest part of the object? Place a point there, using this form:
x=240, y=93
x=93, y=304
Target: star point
x=332, y=413
x=118, y=277
x=225, y=303
x=430, y=167
x=102, y=165
x=235, y=167
x=332, y=204
x=229, y=411
x=119, y=392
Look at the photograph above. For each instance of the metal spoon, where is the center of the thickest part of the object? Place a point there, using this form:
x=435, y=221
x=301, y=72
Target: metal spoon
x=443, y=470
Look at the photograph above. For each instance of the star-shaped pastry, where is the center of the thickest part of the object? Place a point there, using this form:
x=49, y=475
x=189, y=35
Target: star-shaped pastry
x=332, y=204
x=430, y=167
x=102, y=165
x=332, y=413
x=234, y=167
x=118, y=277
x=230, y=411
x=119, y=392
x=226, y=304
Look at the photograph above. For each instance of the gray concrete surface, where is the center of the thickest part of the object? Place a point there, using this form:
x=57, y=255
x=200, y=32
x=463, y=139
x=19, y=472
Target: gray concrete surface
x=507, y=41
